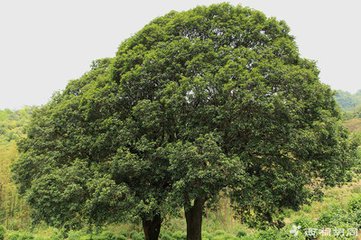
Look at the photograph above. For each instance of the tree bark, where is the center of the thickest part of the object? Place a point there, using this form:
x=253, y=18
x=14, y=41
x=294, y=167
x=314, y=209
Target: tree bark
x=194, y=220
x=152, y=227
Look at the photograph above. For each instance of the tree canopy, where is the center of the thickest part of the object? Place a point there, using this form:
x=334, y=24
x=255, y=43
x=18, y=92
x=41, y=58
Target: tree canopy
x=215, y=99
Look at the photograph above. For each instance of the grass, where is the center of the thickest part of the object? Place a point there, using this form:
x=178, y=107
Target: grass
x=334, y=197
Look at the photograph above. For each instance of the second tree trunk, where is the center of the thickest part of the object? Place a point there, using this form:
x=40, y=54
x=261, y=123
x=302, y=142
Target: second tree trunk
x=194, y=220
x=152, y=227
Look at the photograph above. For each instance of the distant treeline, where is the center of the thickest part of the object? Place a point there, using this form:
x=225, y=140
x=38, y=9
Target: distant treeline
x=349, y=103
x=12, y=123
x=13, y=211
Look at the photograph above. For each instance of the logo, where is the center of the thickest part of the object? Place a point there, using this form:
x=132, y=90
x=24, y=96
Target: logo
x=295, y=230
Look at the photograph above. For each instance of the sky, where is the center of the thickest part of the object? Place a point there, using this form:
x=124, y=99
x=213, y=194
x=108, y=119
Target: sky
x=46, y=43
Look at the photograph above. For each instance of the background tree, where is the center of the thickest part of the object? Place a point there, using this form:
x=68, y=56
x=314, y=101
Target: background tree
x=215, y=99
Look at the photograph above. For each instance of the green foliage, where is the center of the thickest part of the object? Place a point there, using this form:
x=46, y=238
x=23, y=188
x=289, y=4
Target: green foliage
x=305, y=222
x=75, y=235
x=276, y=234
x=20, y=236
x=178, y=235
x=349, y=103
x=13, y=210
x=349, y=217
x=241, y=234
x=136, y=235
x=2, y=232
x=12, y=123
x=357, y=112
x=349, y=201
x=355, y=212
x=202, y=161
x=69, y=186
x=215, y=99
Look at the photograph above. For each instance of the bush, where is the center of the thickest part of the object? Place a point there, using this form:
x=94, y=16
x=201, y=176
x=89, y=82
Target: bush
x=305, y=222
x=349, y=217
x=354, y=207
x=355, y=204
x=241, y=233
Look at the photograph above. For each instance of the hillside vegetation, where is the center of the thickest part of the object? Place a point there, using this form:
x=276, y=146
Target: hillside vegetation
x=348, y=101
x=12, y=124
x=13, y=211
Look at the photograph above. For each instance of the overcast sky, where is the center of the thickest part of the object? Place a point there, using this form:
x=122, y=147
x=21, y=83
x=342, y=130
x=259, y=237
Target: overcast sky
x=46, y=43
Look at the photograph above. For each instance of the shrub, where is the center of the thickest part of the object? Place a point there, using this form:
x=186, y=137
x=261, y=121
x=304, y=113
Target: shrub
x=354, y=207
x=305, y=222
x=241, y=233
x=355, y=204
x=340, y=218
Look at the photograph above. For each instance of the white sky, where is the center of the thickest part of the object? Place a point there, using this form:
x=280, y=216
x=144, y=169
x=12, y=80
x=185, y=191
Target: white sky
x=45, y=43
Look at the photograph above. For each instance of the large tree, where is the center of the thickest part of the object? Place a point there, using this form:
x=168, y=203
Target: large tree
x=215, y=99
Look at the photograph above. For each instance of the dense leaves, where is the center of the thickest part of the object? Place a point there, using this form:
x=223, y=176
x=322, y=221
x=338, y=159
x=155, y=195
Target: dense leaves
x=215, y=99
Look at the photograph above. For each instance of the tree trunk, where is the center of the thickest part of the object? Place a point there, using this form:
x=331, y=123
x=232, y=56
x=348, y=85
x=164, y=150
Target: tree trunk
x=194, y=220
x=152, y=227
